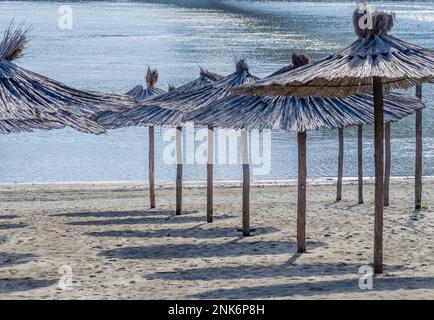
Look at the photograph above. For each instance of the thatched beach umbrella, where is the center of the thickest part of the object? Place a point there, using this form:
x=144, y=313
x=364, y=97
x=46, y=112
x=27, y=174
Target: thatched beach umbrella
x=206, y=78
x=29, y=101
x=146, y=110
x=169, y=109
x=300, y=115
x=181, y=104
x=176, y=105
x=140, y=116
x=141, y=93
x=375, y=62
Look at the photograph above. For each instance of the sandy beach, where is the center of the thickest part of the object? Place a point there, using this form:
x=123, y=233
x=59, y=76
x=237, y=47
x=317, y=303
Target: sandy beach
x=103, y=243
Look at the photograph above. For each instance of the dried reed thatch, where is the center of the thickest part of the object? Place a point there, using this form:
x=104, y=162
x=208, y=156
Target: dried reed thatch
x=196, y=99
x=139, y=116
x=29, y=101
x=375, y=54
x=14, y=43
x=205, y=78
x=140, y=93
x=170, y=109
x=300, y=114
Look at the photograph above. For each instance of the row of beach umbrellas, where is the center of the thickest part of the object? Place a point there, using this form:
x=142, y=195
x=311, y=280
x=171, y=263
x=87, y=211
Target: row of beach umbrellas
x=348, y=88
x=213, y=106
x=344, y=89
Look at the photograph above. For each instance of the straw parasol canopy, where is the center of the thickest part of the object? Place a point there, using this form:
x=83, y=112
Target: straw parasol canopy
x=139, y=92
x=111, y=118
x=168, y=109
x=300, y=114
x=141, y=115
x=196, y=99
x=375, y=53
x=29, y=101
x=375, y=62
x=205, y=78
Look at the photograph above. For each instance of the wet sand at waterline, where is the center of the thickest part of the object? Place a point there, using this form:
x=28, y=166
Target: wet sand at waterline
x=116, y=248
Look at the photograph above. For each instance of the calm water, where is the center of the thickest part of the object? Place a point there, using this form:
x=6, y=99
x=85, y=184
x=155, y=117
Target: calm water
x=111, y=44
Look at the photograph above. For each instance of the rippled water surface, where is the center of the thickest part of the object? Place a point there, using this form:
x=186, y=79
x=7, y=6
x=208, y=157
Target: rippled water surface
x=111, y=44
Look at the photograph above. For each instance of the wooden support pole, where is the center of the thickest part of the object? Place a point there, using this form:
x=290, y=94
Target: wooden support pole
x=360, y=162
x=379, y=175
x=340, y=165
x=151, y=167
x=418, y=165
x=179, y=171
x=210, y=177
x=387, y=166
x=301, y=199
x=246, y=182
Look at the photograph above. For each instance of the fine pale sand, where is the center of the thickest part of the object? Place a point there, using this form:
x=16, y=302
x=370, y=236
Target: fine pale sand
x=116, y=248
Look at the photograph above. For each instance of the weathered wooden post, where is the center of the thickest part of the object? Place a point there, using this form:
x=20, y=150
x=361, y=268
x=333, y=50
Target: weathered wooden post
x=379, y=174
x=210, y=177
x=387, y=167
x=301, y=199
x=179, y=171
x=246, y=182
x=151, y=167
x=340, y=165
x=360, y=161
x=418, y=165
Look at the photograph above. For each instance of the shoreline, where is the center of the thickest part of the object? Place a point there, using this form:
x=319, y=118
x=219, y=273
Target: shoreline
x=199, y=184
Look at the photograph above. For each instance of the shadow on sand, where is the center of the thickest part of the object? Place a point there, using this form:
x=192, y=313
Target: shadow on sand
x=7, y=259
x=146, y=220
x=10, y=285
x=317, y=288
x=121, y=214
x=7, y=217
x=205, y=250
x=287, y=270
x=195, y=232
x=7, y=226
